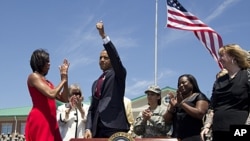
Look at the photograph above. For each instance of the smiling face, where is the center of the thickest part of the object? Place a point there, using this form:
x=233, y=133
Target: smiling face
x=104, y=61
x=184, y=86
x=225, y=59
x=46, y=68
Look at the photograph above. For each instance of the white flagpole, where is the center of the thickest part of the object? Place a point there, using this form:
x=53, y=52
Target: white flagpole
x=156, y=25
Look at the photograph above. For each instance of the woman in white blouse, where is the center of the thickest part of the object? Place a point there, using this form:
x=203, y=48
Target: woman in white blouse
x=72, y=116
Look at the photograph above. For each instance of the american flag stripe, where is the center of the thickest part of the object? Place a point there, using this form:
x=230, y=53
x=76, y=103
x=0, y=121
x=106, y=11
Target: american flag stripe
x=189, y=18
x=210, y=39
x=185, y=27
x=180, y=18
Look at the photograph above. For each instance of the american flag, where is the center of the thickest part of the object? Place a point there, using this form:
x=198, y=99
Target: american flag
x=180, y=18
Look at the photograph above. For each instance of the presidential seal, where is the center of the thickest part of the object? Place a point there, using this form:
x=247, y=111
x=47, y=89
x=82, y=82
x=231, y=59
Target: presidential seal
x=121, y=136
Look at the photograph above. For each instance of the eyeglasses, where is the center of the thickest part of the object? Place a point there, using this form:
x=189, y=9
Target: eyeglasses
x=76, y=93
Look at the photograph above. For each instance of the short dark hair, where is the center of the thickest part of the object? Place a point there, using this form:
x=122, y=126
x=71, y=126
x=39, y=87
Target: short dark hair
x=39, y=58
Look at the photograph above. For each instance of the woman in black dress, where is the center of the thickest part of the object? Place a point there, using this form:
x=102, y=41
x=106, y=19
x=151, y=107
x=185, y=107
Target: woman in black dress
x=230, y=97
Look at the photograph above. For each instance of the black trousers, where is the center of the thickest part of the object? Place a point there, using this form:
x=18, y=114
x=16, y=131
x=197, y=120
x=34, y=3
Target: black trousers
x=106, y=132
x=220, y=135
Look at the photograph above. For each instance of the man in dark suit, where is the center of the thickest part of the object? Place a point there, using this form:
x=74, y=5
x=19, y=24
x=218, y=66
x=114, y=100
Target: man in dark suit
x=106, y=114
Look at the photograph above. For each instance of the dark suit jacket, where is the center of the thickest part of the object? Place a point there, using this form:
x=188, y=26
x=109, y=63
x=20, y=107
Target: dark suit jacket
x=109, y=108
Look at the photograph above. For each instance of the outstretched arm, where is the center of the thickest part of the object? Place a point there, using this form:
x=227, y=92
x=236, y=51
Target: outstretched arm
x=63, y=96
x=115, y=60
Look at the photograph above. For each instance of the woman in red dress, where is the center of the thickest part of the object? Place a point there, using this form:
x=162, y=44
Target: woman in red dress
x=41, y=122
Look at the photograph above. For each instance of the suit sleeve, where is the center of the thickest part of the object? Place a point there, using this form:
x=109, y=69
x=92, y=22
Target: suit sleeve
x=116, y=62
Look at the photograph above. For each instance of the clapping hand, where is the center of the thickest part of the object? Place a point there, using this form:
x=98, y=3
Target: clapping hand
x=146, y=114
x=78, y=102
x=172, y=99
x=64, y=69
x=179, y=97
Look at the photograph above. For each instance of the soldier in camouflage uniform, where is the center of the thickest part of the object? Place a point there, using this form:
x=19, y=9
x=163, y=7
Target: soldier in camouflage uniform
x=150, y=123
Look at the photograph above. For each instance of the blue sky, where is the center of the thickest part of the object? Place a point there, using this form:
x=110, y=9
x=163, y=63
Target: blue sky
x=66, y=28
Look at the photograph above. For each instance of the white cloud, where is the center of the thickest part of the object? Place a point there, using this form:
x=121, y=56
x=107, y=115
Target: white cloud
x=220, y=9
x=137, y=87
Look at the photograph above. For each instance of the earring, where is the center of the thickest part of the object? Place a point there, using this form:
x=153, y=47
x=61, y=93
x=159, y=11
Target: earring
x=232, y=61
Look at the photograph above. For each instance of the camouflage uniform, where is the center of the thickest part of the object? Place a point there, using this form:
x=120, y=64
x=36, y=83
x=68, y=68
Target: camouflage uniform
x=154, y=127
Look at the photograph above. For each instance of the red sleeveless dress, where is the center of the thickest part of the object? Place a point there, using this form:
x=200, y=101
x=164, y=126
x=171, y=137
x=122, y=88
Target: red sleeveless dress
x=41, y=124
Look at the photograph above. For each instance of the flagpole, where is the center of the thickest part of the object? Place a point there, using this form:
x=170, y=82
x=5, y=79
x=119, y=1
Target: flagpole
x=156, y=26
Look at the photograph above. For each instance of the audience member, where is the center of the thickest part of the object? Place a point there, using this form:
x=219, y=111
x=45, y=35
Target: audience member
x=107, y=94
x=129, y=114
x=187, y=109
x=12, y=137
x=41, y=124
x=150, y=123
x=72, y=116
x=230, y=97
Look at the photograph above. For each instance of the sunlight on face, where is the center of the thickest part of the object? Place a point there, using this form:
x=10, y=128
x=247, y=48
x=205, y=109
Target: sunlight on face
x=104, y=61
x=152, y=97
